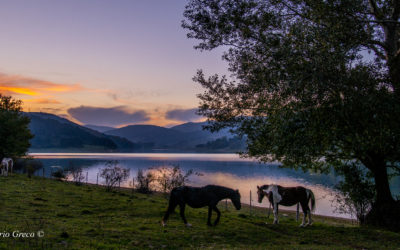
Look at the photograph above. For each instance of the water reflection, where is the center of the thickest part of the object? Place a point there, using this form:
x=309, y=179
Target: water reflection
x=220, y=169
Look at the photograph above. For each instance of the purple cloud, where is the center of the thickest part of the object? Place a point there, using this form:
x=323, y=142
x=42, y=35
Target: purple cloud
x=113, y=117
x=186, y=115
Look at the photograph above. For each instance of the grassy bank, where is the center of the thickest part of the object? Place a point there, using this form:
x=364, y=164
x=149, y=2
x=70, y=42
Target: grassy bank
x=89, y=217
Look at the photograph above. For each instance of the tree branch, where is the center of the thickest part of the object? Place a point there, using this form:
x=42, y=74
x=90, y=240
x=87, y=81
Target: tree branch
x=396, y=10
x=375, y=10
x=395, y=167
x=381, y=21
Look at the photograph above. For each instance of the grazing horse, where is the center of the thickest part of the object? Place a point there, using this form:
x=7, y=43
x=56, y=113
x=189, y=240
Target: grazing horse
x=6, y=165
x=197, y=197
x=288, y=196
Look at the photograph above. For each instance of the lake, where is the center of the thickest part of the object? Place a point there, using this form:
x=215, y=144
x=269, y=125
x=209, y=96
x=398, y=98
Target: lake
x=220, y=169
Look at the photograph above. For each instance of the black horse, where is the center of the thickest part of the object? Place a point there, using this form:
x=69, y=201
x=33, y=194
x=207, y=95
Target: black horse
x=197, y=197
x=288, y=196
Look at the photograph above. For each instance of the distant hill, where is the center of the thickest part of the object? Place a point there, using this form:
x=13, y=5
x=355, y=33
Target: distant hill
x=100, y=129
x=184, y=137
x=189, y=127
x=57, y=134
x=223, y=144
x=53, y=132
x=160, y=136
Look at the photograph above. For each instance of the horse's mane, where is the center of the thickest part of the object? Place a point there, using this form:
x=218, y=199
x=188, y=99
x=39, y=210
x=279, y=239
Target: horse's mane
x=264, y=186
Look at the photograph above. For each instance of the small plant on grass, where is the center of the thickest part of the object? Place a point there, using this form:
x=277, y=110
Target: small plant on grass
x=356, y=192
x=59, y=174
x=143, y=181
x=28, y=165
x=169, y=178
x=76, y=173
x=30, y=170
x=113, y=174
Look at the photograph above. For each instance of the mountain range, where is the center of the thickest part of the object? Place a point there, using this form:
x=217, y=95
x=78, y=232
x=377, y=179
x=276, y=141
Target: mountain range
x=56, y=134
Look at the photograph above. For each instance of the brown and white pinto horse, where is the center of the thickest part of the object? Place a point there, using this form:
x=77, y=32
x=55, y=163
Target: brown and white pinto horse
x=288, y=196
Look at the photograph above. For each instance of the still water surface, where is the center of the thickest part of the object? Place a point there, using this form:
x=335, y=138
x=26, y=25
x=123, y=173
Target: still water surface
x=220, y=169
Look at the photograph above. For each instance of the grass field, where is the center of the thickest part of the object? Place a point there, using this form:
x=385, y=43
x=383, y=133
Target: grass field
x=73, y=217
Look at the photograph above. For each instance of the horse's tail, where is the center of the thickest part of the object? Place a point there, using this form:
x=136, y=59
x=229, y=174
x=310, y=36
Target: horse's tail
x=312, y=197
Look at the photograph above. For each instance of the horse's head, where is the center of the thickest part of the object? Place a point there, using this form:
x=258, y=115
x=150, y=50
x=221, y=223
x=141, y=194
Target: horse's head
x=261, y=193
x=236, y=199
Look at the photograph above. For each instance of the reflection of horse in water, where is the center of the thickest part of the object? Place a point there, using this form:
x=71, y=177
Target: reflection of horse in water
x=288, y=196
x=6, y=166
x=197, y=197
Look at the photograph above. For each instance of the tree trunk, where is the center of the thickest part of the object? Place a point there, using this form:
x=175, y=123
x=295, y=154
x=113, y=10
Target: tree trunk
x=383, y=193
x=394, y=73
x=385, y=212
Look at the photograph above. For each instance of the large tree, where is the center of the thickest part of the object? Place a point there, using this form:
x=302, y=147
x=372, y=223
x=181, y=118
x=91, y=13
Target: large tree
x=14, y=131
x=316, y=83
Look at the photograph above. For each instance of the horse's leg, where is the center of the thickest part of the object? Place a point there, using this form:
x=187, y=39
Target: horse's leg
x=309, y=217
x=218, y=215
x=182, y=213
x=305, y=209
x=171, y=207
x=276, y=219
x=209, y=216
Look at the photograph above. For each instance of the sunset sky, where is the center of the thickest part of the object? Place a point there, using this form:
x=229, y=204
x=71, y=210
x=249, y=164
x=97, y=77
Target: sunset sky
x=102, y=62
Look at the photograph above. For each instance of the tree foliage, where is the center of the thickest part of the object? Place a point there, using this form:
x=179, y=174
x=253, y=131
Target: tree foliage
x=76, y=172
x=356, y=192
x=143, y=181
x=169, y=178
x=315, y=83
x=14, y=132
x=113, y=174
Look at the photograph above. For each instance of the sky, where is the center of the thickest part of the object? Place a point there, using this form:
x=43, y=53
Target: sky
x=103, y=62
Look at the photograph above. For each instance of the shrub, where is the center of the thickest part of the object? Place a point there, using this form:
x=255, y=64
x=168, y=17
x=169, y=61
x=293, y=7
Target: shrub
x=356, y=192
x=27, y=165
x=113, y=174
x=169, y=178
x=143, y=181
x=59, y=174
x=76, y=173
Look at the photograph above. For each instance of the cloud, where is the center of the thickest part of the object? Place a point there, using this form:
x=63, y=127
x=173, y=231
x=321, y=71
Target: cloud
x=114, y=116
x=41, y=101
x=185, y=115
x=17, y=84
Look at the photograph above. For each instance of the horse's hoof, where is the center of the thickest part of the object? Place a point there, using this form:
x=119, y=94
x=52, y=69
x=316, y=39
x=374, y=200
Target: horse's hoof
x=302, y=225
x=163, y=223
x=188, y=225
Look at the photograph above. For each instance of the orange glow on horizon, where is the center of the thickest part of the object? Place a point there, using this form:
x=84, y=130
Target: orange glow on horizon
x=41, y=101
x=19, y=90
x=63, y=88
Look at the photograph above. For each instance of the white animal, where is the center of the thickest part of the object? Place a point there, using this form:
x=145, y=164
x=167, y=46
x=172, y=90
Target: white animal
x=276, y=198
x=6, y=166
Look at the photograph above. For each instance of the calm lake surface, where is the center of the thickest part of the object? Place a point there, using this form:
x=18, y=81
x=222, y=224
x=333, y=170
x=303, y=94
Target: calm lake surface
x=221, y=169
